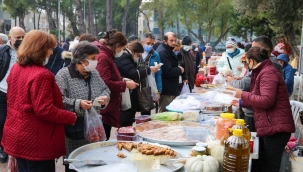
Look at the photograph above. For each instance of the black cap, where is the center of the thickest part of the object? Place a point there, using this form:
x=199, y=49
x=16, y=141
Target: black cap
x=186, y=40
x=132, y=38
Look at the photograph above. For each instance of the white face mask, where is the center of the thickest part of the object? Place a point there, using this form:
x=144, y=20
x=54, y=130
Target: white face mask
x=117, y=55
x=186, y=47
x=230, y=50
x=280, y=51
x=92, y=64
x=46, y=61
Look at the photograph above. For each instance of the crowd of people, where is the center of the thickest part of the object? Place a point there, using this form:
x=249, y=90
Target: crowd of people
x=47, y=87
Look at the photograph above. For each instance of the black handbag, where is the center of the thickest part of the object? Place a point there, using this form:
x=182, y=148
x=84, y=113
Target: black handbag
x=145, y=99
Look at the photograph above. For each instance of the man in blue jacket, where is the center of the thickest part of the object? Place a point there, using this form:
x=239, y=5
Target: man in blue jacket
x=288, y=73
x=170, y=71
x=152, y=56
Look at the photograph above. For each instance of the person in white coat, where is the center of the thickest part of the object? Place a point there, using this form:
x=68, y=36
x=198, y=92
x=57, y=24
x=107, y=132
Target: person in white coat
x=231, y=58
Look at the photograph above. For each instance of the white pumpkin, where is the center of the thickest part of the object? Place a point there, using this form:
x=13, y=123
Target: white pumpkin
x=202, y=164
x=218, y=151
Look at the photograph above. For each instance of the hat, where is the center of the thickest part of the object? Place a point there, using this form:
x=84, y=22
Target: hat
x=283, y=57
x=231, y=41
x=132, y=38
x=279, y=46
x=186, y=40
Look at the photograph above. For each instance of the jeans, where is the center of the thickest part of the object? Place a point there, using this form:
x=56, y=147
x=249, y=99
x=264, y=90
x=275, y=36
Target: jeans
x=35, y=166
x=271, y=151
x=3, y=112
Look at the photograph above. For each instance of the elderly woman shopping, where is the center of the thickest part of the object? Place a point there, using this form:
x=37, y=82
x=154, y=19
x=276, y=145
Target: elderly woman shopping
x=80, y=85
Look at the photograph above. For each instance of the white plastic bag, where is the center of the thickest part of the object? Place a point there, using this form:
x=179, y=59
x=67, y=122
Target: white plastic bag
x=194, y=90
x=93, y=126
x=154, y=90
x=185, y=89
x=219, y=79
x=126, y=103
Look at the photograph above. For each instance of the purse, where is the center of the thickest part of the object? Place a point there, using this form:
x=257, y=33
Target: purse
x=145, y=98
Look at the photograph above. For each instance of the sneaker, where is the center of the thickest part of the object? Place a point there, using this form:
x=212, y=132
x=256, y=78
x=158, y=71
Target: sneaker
x=3, y=156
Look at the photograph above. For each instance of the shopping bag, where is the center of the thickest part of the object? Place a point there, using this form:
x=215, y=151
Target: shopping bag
x=154, y=90
x=93, y=127
x=126, y=103
x=185, y=89
x=145, y=98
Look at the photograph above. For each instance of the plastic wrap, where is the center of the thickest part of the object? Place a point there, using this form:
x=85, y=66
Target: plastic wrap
x=93, y=127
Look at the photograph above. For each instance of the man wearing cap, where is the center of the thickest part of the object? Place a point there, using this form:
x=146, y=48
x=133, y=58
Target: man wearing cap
x=187, y=60
x=231, y=58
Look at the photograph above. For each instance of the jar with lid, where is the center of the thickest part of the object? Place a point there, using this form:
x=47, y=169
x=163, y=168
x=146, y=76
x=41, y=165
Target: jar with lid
x=224, y=123
x=198, y=151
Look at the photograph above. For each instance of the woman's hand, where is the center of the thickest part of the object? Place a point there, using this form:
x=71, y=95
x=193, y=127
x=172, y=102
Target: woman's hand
x=235, y=102
x=102, y=100
x=238, y=93
x=85, y=104
x=154, y=69
x=131, y=85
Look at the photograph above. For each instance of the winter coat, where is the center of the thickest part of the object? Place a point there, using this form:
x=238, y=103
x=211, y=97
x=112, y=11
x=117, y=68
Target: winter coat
x=276, y=64
x=288, y=73
x=55, y=60
x=34, y=127
x=170, y=71
x=110, y=74
x=269, y=100
x=158, y=75
x=208, y=51
x=234, y=62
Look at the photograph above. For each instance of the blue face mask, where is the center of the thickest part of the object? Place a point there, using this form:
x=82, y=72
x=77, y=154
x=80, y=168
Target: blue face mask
x=176, y=52
x=147, y=48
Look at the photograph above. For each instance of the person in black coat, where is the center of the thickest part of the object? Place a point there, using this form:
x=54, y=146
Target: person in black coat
x=128, y=69
x=170, y=71
x=55, y=60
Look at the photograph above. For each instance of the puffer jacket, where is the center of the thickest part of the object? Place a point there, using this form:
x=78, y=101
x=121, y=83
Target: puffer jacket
x=234, y=62
x=288, y=73
x=269, y=100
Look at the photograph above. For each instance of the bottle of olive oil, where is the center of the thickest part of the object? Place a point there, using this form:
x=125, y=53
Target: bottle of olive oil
x=240, y=125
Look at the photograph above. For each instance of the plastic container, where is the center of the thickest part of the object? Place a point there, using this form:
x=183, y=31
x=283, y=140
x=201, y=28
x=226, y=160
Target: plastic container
x=212, y=70
x=240, y=125
x=130, y=131
x=142, y=118
x=198, y=151
x=191, y=115
x=236, y=153
x=196, y=133
x=122, y=137
x=226, y=121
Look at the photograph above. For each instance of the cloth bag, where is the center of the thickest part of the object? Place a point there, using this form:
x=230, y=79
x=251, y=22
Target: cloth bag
x=145, y=97
x=126, y=103
x=152, y=83
x=185, y=89
x=93, y=127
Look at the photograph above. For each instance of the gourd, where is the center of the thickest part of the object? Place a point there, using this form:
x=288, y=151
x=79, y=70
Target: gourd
x=202, y=164
x=218, y=151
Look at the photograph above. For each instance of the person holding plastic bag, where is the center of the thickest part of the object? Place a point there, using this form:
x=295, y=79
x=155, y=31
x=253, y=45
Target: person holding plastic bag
x=82, y=88
x=128, y=69
x=220, y=77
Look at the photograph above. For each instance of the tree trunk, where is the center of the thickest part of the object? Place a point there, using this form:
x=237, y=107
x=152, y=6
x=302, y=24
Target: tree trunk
x=221, y=36
x=178, y=28
x=49, y=11
x=109, y=14
x=21, y=22
x=124, y=17
x=2, y=26
x=80, y=16
x=147, y=19
x=91, y=18
x=34, y=20
x=39, y=19
x=63, y=27
x=291, y=40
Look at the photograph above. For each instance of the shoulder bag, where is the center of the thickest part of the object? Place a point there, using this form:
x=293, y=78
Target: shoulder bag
x=145, y=97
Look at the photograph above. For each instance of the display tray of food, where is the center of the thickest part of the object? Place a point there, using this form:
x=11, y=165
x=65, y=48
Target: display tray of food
x=210, y=86
x=126, y=157
x=174, y=133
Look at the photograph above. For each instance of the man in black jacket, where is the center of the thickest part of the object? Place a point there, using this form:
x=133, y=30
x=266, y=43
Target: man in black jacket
x=170, y=71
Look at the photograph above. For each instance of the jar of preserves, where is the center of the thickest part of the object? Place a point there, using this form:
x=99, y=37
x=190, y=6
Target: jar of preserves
x=198, y=151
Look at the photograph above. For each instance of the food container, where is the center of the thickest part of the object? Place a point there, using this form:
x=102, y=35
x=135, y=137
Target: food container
x=142, y=118
x=214, y=107
x=226, y=121
x=212, y=70
x=130, y=130
x=191, y=115
x=122, y=137
x=197, y=133
x=198, y=151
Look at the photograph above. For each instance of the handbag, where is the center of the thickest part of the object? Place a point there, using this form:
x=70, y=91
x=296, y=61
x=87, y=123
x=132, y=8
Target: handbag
x=145, y=99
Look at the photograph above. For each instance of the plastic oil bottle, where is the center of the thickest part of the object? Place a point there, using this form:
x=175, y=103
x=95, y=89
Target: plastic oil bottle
x=223, y=125
x=236, y=153
x=240, y=125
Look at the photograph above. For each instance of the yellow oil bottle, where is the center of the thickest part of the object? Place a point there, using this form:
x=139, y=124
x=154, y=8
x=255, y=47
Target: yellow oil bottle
x=240, y=125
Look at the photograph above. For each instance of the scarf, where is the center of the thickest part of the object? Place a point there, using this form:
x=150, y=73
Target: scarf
x=232, y=55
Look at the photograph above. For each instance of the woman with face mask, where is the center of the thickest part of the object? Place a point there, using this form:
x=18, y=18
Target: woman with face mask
x=127, y=65
x=82, y=88
x=272, y=112
x=115, y=44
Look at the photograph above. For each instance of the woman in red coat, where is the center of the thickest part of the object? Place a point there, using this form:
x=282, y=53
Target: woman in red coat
x=34, y=127
x=272, y=112
x=115, y=44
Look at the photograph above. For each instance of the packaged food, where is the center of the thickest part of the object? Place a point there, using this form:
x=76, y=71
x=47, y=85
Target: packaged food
x=198, y=151
x=191, y=115
x=214, y=107
x=226, y=121
x=142, y=118
x=167, y=116
x=197, y=133
x=123, y=137
x=130, y=130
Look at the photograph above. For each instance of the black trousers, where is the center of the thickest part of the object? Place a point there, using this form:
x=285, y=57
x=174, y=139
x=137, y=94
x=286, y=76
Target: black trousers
x=127, y=117
x=107, y=129
x=36, y=166
x=3, y=112
x=250, y=122
x=271, y=150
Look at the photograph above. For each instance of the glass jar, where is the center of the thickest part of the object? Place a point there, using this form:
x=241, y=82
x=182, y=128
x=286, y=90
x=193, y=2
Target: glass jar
x=198, y=151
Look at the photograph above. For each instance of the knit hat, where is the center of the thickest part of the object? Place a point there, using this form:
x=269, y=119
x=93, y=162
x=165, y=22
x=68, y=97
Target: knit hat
x=279, y=46
x=186, y=40
x=231, y=41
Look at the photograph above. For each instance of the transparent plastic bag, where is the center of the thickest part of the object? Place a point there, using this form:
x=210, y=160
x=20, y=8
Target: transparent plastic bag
x=219, y=79
x=154, y=90
x=185, y=89
x=93, y=127
x=126, y=103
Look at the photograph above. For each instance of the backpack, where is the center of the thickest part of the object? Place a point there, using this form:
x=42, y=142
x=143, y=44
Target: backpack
x=5, y=59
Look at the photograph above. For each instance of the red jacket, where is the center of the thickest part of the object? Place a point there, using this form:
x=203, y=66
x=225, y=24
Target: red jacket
x=111, y=76
x=34, y=127
x=269, y=100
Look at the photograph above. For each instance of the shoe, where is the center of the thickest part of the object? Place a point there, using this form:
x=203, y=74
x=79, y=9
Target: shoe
x=3, y=156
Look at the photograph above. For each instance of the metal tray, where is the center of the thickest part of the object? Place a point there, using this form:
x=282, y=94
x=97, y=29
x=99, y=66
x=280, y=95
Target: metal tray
x=171, y=143
x=134, y=162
